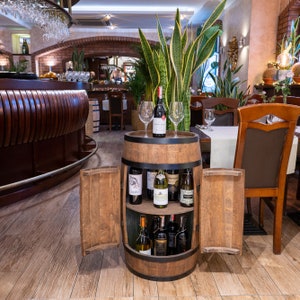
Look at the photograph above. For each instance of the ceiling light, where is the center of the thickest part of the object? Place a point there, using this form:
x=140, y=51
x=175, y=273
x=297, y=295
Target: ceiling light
x=53, y=20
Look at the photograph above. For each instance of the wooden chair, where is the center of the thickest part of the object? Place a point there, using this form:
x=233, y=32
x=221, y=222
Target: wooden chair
x=116, y=108
x=263, y=151
x=225, y=110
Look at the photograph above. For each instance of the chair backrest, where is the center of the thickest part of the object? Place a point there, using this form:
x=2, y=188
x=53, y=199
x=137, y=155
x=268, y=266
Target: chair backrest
x=254, y=99
x=295, y=101
x=263, y=149
x=225, y=110
x=115, y=103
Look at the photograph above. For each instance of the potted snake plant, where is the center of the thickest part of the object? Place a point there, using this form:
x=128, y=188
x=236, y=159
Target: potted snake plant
x=173, y=65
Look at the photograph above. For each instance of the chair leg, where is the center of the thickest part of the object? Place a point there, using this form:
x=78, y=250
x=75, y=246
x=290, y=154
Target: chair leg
x=109, y=123
x=249, y=208
x=277, y=227
x=261, y=212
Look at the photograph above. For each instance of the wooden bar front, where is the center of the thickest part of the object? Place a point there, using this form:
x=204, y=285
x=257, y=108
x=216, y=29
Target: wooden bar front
x=41, y=131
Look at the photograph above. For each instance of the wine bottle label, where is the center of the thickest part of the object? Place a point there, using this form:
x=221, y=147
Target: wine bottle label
x=173, y=179
x=172, y=239
x=160, y=196
x=187, y=196
x=146, y=252
x=160, y=247
x=159, y=125
x=135, y=184
x=150, y=179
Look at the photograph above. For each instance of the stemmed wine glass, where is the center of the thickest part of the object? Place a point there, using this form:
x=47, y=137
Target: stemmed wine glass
x=209, y=117
x=146, y=114
x=176, y=114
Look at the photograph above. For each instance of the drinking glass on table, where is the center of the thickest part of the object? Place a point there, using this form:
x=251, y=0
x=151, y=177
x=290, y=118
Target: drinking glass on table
x=146, y=114
x=176, y=113
x=209, y=117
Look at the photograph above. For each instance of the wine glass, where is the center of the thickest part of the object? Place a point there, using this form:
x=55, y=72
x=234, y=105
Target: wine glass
x=209, y=117
x=176, y=114
x=146, y=114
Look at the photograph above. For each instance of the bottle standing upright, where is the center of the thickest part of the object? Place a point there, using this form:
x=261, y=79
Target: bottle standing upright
x=181, y=237
x=142, y=243
x=173, y=182
x=154, y=227
x=187, y=189
x=160, y=117
x=135, y=185
x=150, y=183
x=25, y=48
x=172, y=230
x=160, y=193
x=160, y=240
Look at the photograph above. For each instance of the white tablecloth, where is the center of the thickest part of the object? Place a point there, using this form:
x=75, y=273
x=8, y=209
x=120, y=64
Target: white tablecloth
x=223, y=143
x=105, y=104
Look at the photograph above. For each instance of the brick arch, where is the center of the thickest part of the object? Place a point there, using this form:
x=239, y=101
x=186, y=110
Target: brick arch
x=92, y=46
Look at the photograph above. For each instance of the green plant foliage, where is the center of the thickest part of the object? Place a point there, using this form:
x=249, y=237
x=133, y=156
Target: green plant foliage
x=227, y=84
x=291, y=42
x=136, y=84
x=173, y=65
x=78, y=60
x=18, y=67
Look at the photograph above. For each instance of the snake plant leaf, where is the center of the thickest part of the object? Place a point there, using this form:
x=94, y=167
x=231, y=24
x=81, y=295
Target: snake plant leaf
x=164, y=45
x=214, y=15
x=148, y=54
x=163, y=73
x=206, y=50
x=176, y=55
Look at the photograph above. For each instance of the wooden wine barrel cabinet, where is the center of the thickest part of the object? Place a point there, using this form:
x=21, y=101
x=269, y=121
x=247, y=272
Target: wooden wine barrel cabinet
x=160, y=153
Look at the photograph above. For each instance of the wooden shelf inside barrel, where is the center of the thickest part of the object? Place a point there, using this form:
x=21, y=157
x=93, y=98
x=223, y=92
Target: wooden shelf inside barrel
x=147, y=207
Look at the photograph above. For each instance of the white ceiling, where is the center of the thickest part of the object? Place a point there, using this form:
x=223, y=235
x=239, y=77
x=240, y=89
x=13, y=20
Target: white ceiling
x=134, y=14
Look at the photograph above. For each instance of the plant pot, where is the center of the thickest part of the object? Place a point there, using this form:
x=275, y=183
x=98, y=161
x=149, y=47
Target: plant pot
x=296, y=70
x=269, y=75
x=296, y=79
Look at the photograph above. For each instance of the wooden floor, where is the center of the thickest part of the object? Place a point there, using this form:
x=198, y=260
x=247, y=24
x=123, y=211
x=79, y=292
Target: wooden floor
x=40, y=254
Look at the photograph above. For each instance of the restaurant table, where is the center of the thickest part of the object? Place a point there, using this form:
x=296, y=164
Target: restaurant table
x=222, y=141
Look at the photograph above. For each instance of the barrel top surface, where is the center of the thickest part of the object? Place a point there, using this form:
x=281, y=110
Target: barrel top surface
x=183, y=137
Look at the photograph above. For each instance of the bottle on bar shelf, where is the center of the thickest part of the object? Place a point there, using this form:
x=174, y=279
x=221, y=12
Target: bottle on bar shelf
x=160, y=239
x=142, y=243
x=135, y=185
x=160, y=193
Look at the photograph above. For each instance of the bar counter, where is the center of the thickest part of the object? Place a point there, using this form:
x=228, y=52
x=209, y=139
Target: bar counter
x=42, y=135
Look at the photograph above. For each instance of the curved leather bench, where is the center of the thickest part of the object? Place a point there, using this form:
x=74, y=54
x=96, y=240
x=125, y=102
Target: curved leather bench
x=42, y=132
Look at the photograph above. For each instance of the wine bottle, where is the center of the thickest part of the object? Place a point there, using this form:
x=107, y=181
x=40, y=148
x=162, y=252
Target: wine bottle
x=187, y=189
x=135, y=185
x=159, y=125
x=150, y=183
x=142, y=243
x=172, y=229
x=160, y=193
x=182, y=237
x=153, y=230
x=160, y=240
x=173, y=181
x=25, y=48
